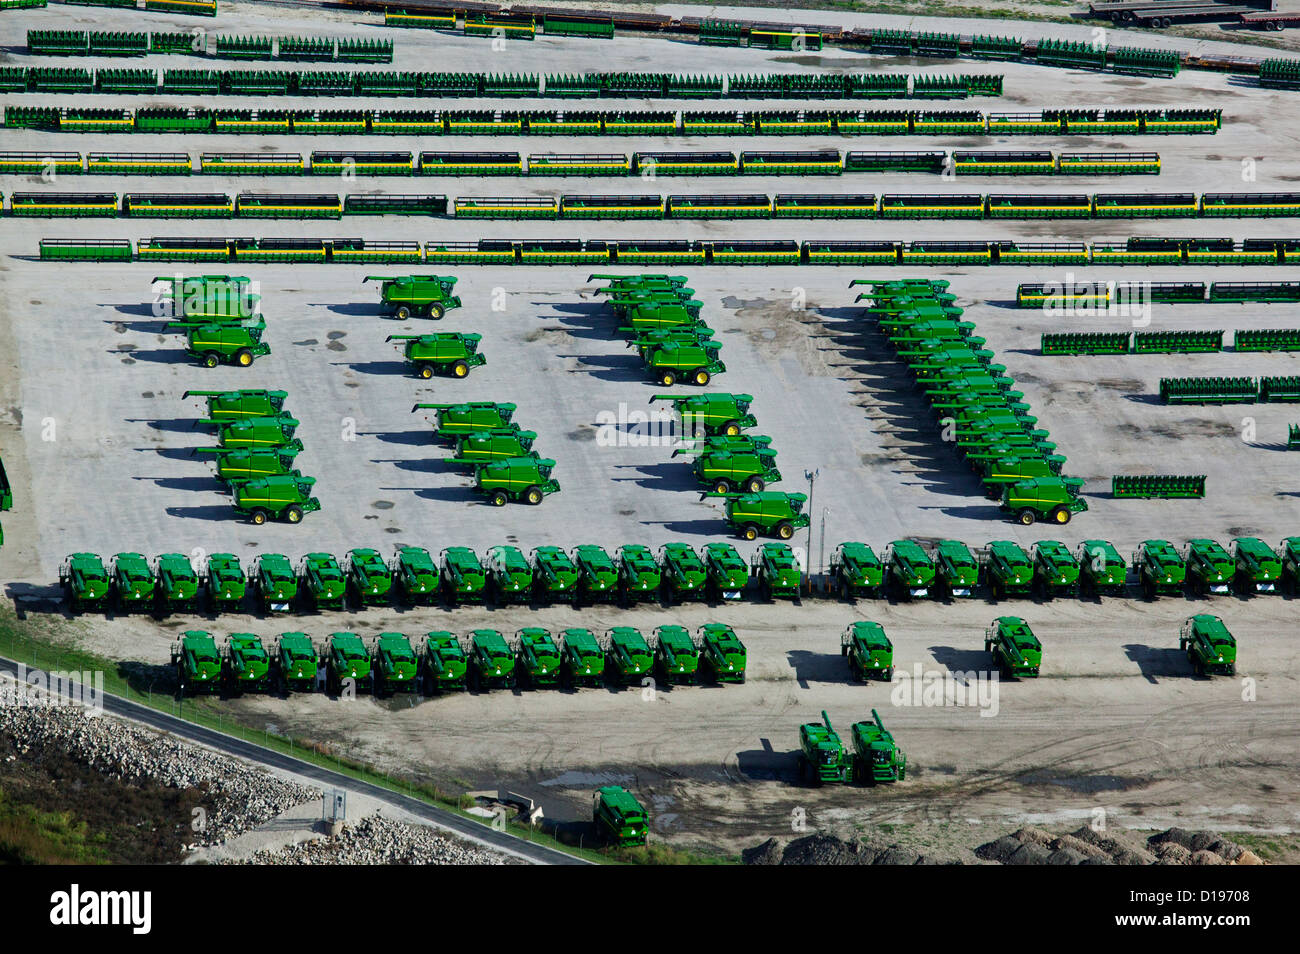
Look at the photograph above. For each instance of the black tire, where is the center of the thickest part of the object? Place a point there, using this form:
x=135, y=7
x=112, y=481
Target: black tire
x=534, y=495
x=1060, y=516
x=436, y=311
x=754, y=485
x=749, y=532
x=258, y=516
x=1026, y=517
x=402, y=312
x=244, y=358
x=211, y=359
x=784, y=530
x=293, y=514
x=425, y=371
x=722, y=487
x=701, y=377
x=668, y=378
x=731, y=429
x=499, y=498
x=460, y=369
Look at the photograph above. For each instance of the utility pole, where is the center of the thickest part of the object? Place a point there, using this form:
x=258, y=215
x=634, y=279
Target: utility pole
x=811, y=476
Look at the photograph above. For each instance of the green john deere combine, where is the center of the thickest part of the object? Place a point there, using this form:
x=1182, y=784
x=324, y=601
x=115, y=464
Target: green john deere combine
x=677, y=657
x=727, y=574
x=296, y=663
x=245, y=665
x=584, y=660
x=619, y=818
x=856, y=572
x=1210, y=648
x=537, y=658
x=868, y=650
x=722, y=654
x=275, y=585
x=85, y=582
x=1015, y=649
x=197, y=664
x=396, y=666
x=628, y=657
x=445, y=665
x=876, y=757
x=415, y=576
x=822, y=757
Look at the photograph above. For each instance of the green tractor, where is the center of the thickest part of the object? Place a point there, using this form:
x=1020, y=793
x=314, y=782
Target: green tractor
x=470, y=417
x=445, y=665
x=537, y=658
x=584, y=661
x=1210, y=648
x=396, y=666
x=281, y=498
x=682, y=573
x=1015, y=649
x=368, y=578
x=777, y=572
x=347, y=663
x=677, y=657
x=321, y=581
x=501, y=443
x=957, y=570
x=868, y=650
x=275, y=585
x=1055, y=499
x=554, y=576
x=856, y=572
x=1008, y=570
x=628, y=657
x=132, y=585
x=235, y=464
x=296, y=663
x=415, y=576
x=638, y=573
x=727, y=471
x=462, y=577
x=694, y=362
x=85, y=582
x=1056, y=572
x=909, y=571
x=257, y=433
x=876, y=757
x=1101, y=569
x=707, y=415
x=770, y=513
x=822, y=756
x=525, y=479
x=1210, y=568
x=241, y=404
x=245, y=665
x=211, y=345
x=597, y=575
x=224, y=582
x=1258, y=568
x=727, y=574
x=509, y=577
x=1288, y=554
x=491, y=663
x=1160, y=568
x=409, y=296
x=176, y=585
x=618, y=818
x=197, y=664
x=722, y=654
x=446, y=352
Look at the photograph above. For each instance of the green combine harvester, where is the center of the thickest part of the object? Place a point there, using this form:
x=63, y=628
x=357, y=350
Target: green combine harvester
x=876, y=757
x=224, y=582
x=1210, y=568
x=869, y=652
x=1056, y=572
x=176, y=585
x=597, y=575
x=526, y=479
x=822, y=756
x=909, y=571
x=628, y=657
x=537, y=658
x=584, y=660
x=775, y=569
x=275, y=584
x=555, y=577
x=237, y=464
x=462, y=577
x=321, y=581
x=415, y=576
x=618, y=818
x=1210, y=648
x=285, y=498
x=85, y=581
x=728, y=471
x=638, y=573
x=727, y=574
x=1008, y=569
x=502, y=443
x=1160, y=568
x=132, y=584
x=722, y=654
x=677, y=657
x=707, y=415
x=296, y=663
x=1015, y=649
x=396, y=667
x=471, y=417
x=856, y=572
x=682, y=573
x=445, y=665
x=1054, y=499
x=241, y=404
x=957, y=570
x=509, y=577
x=1258, y=568
x=347, y=661
x=369, y=578
x=410, y=296
x=1288, y=553
x=769, y=513
x=273, y=432
x=1102, y=571
x=197, y=664
x=491, y=663
x=245, y=665
x=448, y=353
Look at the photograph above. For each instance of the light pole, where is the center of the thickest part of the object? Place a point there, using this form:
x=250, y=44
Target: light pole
x=821, y=546
x=811, y=476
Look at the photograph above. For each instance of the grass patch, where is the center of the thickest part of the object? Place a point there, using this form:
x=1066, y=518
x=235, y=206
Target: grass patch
x=29, y=836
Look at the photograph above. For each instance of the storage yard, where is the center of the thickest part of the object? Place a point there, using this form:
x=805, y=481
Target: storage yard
x=1167, y=414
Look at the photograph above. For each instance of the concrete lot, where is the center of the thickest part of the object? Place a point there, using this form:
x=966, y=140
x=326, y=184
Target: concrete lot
x=96, y=439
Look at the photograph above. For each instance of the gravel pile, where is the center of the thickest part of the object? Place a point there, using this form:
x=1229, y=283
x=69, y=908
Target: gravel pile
x=824, y=849
x=376, y=840
x=237, y=796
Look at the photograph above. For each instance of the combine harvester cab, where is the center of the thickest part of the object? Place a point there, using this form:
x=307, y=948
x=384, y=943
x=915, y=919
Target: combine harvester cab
x=396, y=665
x=584, y=661
x=554, y=576
x=297, y=663
x=1210, y=568
x=1101, y=569
x=618, y=818
x=224, y=582
x=708, y=415
x=274, y=583
x=856, y=572
x=285, y=498
x=682, y=573
x=1015, y=649
x=445, y=664
x=909, y=571
x=85, y=581
x=876, y=757
x=509, y=577
x=1258, y=568
x=448, y=353
x=727, y=574
x=462, y=577
x=597, y=575
x=638, y=573
x=868, y=650
x=321, y=581
x=415, y=576
x=822, y=757
x=197, y=664
x=537, y=658
x=722, y=655
x=628, y=658
x=491, y=663
x=1210, y=648
x=245, y=665
x=410, y=296
x=677, y=657
x=133, y=582
x=1056, y=573
x=957, y=570
x=1008, y=569
x=347, y=662
x=776, y=569
x=369, y=578
x=1160, y=568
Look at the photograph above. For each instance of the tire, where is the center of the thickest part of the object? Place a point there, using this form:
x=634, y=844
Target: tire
x=750, y=532
x=731, y=429
x=402, y=312
x=460, y=369
x=425, y=371
x=784, y=530
x=668, y=379
x=498, y=498
x=211, y=359
x=243, y=357
x=1026, y=517
x=722, y=487
x=293, y=514
x=534, y=495
x=1061, y=516
x=436, y=311
x=754, y=485
x=258, y=517
x=701, y=377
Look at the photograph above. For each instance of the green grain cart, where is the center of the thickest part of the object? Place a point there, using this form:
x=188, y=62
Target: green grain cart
x=868, y=650
x=584, y=661
x=1210, y=648
x=1015, y=649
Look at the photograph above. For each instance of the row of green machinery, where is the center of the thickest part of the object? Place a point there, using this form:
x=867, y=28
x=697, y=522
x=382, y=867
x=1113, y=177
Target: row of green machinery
x=990, y=421
x=448, y=353
x=487, y=441
x=220, y=317
x=255, y=451
x=482, y=660
x=874, y=757
x=661, y=318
